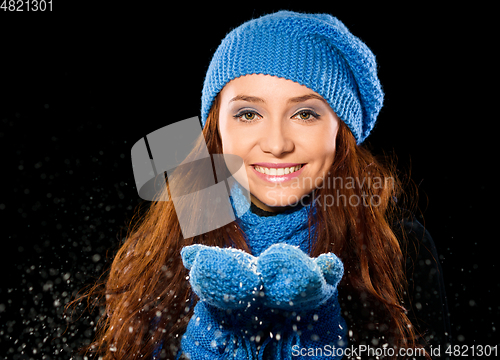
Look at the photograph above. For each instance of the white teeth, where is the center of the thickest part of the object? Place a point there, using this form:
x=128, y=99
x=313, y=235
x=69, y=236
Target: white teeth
x=277, y=171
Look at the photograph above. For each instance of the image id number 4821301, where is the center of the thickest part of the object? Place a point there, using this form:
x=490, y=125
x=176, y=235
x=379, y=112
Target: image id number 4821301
x=26, y=5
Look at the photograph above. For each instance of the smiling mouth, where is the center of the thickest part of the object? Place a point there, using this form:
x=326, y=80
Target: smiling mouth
x=278, y=171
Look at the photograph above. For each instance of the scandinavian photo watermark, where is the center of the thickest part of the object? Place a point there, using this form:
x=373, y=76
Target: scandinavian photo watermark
x=336, y=182
x=275, y=191
x=328, y=199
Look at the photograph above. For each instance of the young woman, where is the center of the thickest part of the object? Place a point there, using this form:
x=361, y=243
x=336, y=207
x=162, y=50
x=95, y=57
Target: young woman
x=314, y=262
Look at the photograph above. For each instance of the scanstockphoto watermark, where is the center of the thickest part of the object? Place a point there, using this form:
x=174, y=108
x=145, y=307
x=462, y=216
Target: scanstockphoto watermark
x=356, y=352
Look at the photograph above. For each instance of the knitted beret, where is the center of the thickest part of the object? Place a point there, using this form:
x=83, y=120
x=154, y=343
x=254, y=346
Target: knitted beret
x=314, y=50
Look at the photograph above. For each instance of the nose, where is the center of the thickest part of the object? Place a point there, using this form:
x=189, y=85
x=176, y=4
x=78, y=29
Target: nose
x=277, y=139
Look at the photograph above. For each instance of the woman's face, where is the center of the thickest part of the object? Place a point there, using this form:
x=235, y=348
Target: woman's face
x=275, y=124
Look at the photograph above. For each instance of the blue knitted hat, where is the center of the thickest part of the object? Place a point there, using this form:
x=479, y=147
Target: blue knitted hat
x=314, y=50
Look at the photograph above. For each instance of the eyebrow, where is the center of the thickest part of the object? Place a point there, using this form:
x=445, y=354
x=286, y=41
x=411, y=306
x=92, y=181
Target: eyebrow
x=293, y=100
x=247, y=98
x=306, y=97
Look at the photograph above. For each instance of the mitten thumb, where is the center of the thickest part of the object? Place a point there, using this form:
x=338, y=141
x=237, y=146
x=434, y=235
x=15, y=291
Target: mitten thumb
x=188, y=254
x=331, y=267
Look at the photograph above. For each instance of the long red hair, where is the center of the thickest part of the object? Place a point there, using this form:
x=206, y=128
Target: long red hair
x=147, y=282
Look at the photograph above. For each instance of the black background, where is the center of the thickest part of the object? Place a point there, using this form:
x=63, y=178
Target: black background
x=79, y=86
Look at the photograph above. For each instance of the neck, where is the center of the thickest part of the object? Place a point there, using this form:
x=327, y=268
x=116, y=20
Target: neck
x=264, y=228
x=271, y=209
x=278, y=209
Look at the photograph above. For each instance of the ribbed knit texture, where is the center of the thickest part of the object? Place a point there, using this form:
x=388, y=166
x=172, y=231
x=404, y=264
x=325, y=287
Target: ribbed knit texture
x=224, y=278
x=289, y=227
x=315, y=50
x=295, y=305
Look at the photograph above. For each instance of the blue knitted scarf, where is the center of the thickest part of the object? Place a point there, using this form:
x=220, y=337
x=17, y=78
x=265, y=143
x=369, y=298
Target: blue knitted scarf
x=288, y=227
x=264, y=333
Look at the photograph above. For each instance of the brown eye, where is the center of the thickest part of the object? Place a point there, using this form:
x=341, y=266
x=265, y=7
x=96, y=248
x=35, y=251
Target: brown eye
x=249, y=116
x=246, y=116
x=304, y=115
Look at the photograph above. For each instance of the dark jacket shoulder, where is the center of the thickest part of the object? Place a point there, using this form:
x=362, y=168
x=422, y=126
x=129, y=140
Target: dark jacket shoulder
x=425, y=298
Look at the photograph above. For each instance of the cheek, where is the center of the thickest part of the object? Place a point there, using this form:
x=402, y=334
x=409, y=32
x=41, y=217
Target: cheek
x=233, y=142
x=225, y=137
x=329, y=141
x=322, y=148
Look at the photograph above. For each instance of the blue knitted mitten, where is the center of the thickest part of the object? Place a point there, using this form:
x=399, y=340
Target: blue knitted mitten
x=294, y=281
x=231, y=279
x=229, y=318
x=223, y=277
x=227, y=284
x=213, y=333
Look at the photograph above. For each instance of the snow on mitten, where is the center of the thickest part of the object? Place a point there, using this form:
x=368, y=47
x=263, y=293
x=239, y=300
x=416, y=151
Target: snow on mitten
x=223, y=277
x=331, y=267
x=294, y=281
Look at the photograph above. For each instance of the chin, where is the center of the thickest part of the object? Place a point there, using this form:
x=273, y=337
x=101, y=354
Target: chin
x=281, y=200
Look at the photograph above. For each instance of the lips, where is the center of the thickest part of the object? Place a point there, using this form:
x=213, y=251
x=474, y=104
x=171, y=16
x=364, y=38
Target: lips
x=278, y=173
x=277, y=165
